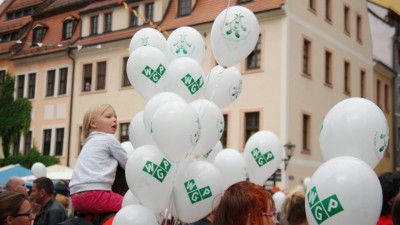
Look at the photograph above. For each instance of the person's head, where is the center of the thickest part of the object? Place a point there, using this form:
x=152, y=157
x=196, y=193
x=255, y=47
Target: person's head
x=99, y=118
x=42, y=190
x=15, y=209
x=390, y=183
x=293, y=208
x=16, y=184
x=245, y=203
x=396, y=210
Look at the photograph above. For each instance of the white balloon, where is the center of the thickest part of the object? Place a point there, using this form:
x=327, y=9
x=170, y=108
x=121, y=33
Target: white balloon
x=146, y=68
x=185, y=77
x=212, y=153
x=128, y=147
x=148, y=37
x=262, y=154
x=135, y=215
x=138, y=134
x=234, y=34
x=39, y=170
x=129, y=199
x=343, y=190
x=186, y=42
x=150, y=176
x=176, y=129
x=231, y=165
x=306, y=181
x=223, y=86
x=197, y=185
x=211, y=122
x=155, y=103
x=355, y=127
x=279, y=197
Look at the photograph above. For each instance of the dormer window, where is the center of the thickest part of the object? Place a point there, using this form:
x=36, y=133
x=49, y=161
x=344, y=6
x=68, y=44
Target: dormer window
x=68, y=27
x=184, y=7
x=38, y=34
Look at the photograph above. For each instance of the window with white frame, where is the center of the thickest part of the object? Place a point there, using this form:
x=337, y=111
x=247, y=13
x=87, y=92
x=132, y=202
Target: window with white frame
x=56, y=82
x=99, y=80
x=124, y=132
x=108, y=22
x=20, y=86
x=31, y=85
x=53, y=141
x=27, y=142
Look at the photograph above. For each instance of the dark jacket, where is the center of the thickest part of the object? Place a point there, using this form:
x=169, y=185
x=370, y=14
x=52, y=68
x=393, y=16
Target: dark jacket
x=51, y=214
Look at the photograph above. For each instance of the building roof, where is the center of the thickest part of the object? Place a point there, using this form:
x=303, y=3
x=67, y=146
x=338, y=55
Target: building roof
x=205, y=11
x=53, y=40
x=20, y=4
x=201, y=13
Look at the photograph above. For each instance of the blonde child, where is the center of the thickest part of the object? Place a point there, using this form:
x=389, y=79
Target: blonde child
x=95, y=170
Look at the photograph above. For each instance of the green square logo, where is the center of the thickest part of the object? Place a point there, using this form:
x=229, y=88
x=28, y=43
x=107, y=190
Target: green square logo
x=193, y=88
x=187, y=80
x=161, y=69
x=332, y=205
x=147, y=71
x=194, y=196
x=155, y=77
x=261, y=161
x=200, y=82
x=322, y=210
x=319, y=213
x=149, y=167
x=255, y=153
x=160, y=174
x=190, y=185
x=269, y=156
x=312, y=197
x=165, y=164
x=205, y=192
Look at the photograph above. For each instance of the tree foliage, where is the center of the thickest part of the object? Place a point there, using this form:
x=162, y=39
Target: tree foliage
x=29, y=159
x=15, y=115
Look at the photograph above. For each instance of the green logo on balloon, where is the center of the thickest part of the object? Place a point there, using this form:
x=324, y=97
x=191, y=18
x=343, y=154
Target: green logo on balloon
x=182, y=46
x=192, y=85
x=157, y=171
x=323, y=209
x=235, y=27
x=195, y=194
x=154, y=75
x=261, y=159
x=207, y=154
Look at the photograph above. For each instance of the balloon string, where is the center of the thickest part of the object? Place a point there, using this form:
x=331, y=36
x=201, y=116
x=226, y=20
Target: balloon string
x=226, y=13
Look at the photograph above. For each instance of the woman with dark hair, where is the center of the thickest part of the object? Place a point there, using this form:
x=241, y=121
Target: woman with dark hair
x=15, y=209
x=390, y=183
x=245, y=203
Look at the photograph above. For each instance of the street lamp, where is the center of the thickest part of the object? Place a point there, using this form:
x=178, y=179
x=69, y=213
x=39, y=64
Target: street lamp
x=289, y=149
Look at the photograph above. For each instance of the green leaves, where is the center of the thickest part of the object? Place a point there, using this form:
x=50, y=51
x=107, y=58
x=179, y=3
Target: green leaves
x=15, y=115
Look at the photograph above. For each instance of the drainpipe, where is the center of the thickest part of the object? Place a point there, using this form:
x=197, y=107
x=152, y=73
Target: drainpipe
x=69, y=50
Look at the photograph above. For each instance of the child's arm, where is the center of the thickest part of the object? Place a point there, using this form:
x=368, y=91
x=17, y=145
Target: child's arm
x=118, y=152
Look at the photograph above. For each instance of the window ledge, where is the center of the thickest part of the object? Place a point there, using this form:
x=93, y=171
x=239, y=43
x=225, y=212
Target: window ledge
x=250, y=71
x=305, y=75
x=329, y=85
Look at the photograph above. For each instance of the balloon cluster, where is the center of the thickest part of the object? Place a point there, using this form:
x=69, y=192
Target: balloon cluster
x=176, y=163
x=345, y=189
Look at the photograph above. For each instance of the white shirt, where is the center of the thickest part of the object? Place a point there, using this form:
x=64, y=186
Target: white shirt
x=97, y=163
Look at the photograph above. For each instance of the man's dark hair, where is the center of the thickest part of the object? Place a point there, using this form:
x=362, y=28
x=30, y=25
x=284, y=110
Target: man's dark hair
x=46, y=184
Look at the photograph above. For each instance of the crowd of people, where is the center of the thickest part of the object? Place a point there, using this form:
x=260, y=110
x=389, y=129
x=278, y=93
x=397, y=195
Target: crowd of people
x=243, y=203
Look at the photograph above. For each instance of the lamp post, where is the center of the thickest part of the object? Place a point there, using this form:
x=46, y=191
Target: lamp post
x=289, y=149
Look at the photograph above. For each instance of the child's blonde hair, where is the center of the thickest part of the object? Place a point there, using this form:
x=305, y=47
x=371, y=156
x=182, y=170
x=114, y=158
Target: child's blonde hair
x=91, y=114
